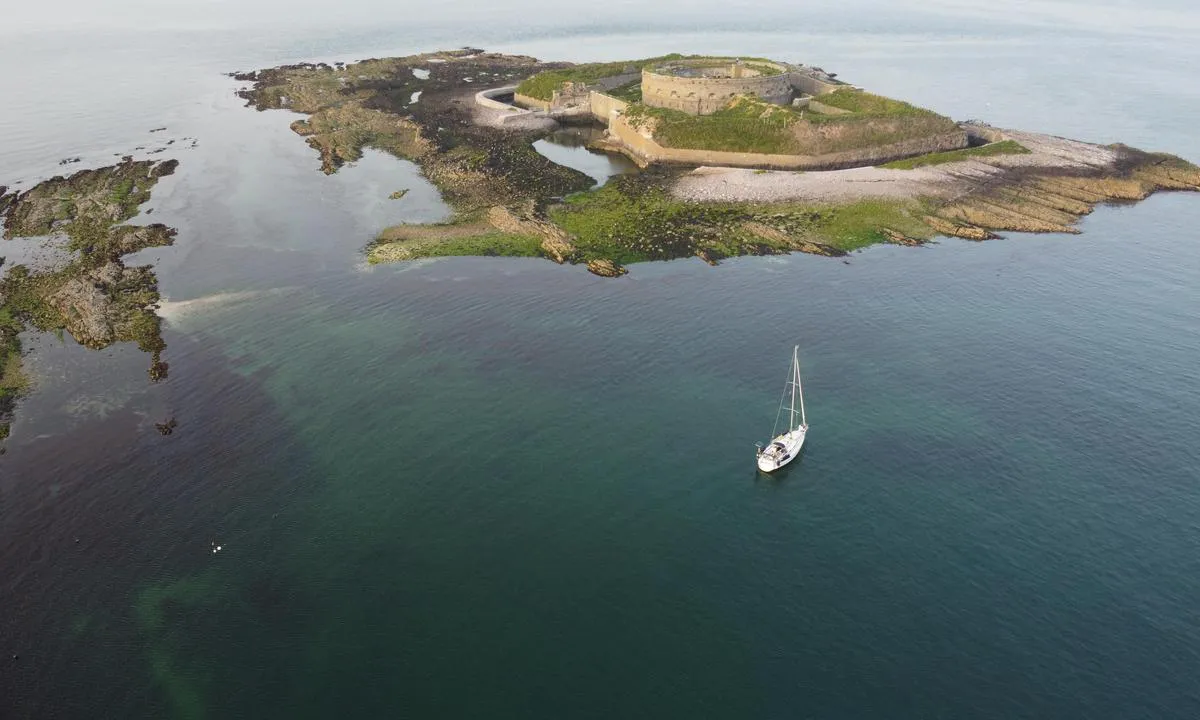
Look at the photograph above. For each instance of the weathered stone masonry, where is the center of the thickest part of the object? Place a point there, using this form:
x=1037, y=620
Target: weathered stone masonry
x=706, y=95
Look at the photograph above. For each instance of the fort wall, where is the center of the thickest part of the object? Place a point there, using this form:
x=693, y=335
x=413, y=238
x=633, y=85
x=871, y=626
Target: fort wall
x=530, y=103
x=811, y=85
x=604, y=106
x=573, y=96
x=826, y=109
x=706, y=95
x=644, y=150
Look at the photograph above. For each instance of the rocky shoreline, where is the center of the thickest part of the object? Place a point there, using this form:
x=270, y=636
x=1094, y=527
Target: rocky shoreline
x=509, y=200
x=91, y=293
x=1045, y=190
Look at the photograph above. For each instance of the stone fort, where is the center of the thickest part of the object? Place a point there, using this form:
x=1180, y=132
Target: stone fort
x=702, y=87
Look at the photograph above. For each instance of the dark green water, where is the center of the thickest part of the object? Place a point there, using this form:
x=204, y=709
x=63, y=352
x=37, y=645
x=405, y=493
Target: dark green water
x=503, y=488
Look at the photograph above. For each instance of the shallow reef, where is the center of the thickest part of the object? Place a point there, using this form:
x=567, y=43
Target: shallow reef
x=90, y=293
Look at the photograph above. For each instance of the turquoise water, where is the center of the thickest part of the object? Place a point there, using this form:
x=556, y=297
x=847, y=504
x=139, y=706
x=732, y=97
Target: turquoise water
x=504, y=488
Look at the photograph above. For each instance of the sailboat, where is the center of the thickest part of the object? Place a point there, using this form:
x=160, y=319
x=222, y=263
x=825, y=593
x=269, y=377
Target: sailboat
x=784, y=448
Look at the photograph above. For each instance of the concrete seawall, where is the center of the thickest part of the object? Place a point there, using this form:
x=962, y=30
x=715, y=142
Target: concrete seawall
x=487, y=99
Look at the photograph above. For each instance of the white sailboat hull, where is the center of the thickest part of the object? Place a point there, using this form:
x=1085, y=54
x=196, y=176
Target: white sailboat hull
x=782, y=450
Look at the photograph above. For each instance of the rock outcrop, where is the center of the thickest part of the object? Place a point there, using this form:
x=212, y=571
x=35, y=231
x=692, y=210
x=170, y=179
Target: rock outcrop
x=93, y=295
x=555, y=242
x=605, y=268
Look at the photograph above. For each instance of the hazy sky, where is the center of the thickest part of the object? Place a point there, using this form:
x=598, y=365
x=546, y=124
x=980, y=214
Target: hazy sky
x=1170, y=16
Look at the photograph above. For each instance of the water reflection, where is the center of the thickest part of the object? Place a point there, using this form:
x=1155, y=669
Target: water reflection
x=568, y=147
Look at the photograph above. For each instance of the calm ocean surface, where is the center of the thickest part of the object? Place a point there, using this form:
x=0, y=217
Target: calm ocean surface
x=503, y=488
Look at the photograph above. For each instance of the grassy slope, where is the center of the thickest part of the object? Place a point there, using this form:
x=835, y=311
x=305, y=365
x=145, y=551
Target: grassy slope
x=861, y=102
x=1005, y=147
x=543, y=84
x=750, y=125
x=747, y=126
x=629, y=92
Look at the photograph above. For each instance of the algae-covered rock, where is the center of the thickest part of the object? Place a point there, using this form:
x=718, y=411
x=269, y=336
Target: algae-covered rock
x=93, y=295
x=896, y=237
x=605, y=268
x=103, y=196
x=955, y=229
x=370, y=104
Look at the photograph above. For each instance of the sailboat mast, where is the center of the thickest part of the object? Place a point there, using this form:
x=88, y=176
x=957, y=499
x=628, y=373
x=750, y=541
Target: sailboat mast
x=803, y=420
x=795, y=376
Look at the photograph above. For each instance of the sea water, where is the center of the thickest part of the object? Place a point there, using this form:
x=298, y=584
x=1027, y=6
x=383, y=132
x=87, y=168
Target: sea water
x=505, y=488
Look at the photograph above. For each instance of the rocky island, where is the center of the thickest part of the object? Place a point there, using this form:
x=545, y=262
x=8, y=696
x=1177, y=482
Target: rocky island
x=85, y=288
x=738, y=156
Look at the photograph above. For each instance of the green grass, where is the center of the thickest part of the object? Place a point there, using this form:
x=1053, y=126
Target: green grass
x=543, y=85
x=751, y=125
x=861, y=102
x=1005, y=147
x=764, y=69
x=629, y=92
x=747, y=126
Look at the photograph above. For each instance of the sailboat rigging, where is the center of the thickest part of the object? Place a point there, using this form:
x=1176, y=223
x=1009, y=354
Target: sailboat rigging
x=785, y=447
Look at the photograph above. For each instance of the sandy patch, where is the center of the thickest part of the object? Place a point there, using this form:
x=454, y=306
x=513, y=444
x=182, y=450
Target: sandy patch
x=711, y=184
x=736, y=184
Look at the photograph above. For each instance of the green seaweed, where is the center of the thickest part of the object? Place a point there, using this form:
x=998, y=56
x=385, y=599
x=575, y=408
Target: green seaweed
x=627, y=222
